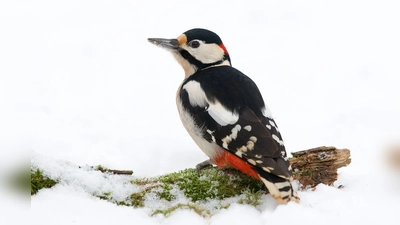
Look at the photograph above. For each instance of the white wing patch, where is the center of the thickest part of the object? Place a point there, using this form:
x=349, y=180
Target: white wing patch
x=197, y=97
x=276, y=138
x=273, y=124
x=221, y=115
x=226, y=140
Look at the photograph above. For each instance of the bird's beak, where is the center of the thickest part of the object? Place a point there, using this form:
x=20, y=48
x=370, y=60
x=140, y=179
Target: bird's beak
x=169, y=44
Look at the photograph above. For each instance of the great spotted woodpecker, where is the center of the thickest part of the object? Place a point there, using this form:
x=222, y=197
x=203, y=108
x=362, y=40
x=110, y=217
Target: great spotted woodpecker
x=224, y=112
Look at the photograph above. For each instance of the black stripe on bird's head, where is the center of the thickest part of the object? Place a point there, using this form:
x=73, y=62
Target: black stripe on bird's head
x=196, y=49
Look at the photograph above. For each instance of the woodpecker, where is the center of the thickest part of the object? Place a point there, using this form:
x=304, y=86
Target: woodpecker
x=223, y=111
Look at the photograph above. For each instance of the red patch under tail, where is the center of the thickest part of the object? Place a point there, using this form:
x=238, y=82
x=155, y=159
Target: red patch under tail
x=229, y=160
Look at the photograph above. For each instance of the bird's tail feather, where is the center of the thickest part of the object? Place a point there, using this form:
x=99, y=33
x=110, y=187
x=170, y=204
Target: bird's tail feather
x=280, y=189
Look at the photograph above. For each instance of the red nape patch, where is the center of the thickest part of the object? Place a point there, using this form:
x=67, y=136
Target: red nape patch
x=229, y=160
x=223, y=47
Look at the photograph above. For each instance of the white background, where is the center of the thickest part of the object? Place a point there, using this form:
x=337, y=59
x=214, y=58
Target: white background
x=79, y=82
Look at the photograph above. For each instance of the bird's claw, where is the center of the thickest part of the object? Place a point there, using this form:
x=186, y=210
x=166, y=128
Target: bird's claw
x=203, y=165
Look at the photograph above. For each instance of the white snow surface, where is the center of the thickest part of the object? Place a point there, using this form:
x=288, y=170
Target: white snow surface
x=80, y=85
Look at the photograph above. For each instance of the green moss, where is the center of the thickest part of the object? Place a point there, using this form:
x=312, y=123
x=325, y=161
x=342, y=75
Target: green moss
x=38, y=181
x=220, y=206
x=105, y=196
x=166, y=193
x=101, y=168
x=251, y=198
x=213, y=184
x=137, y=199
x=192, y=186
x=144, y=181
x=196, y=208
x=123, y=203
x=313, y=173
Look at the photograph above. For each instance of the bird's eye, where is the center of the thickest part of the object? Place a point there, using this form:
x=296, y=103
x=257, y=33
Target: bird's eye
x=194, y=44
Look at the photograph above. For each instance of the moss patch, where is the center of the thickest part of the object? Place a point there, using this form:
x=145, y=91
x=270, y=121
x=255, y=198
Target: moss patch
x=38, y=181
x=101, y=168
x=137, y=199
x=212, y=184
x=166, y=193
x=251, y=198
x=196, y=208
x=311, y=172
x=105, y=196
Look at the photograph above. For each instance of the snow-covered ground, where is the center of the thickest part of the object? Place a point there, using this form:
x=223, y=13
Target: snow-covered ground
x=80, y=83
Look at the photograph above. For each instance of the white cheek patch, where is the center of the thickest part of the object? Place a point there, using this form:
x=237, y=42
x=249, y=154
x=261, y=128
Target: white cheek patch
x=206, y=53
x=198, y=98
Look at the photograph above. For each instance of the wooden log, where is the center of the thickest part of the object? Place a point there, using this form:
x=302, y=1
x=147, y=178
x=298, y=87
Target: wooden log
x=318, y=165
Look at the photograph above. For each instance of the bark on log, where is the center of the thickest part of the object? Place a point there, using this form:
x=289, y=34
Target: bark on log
x=318, y=165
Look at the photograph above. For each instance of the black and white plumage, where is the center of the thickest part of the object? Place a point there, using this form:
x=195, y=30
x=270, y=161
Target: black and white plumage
x=223, y=111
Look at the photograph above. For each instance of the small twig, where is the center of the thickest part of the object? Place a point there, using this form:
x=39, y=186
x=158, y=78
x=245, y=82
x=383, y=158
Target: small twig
x=117, y=172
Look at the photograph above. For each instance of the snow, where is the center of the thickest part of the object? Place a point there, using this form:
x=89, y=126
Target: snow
x=80, y=85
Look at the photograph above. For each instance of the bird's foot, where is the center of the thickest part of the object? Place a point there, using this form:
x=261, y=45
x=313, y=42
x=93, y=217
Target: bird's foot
x=203, y=165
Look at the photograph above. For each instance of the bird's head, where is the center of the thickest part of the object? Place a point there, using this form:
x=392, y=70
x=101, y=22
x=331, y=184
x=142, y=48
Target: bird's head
x=196, y=49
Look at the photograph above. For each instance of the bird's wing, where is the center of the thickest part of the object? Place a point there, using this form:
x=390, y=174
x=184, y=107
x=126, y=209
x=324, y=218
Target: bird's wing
x=224, y=107
x=255, y=141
